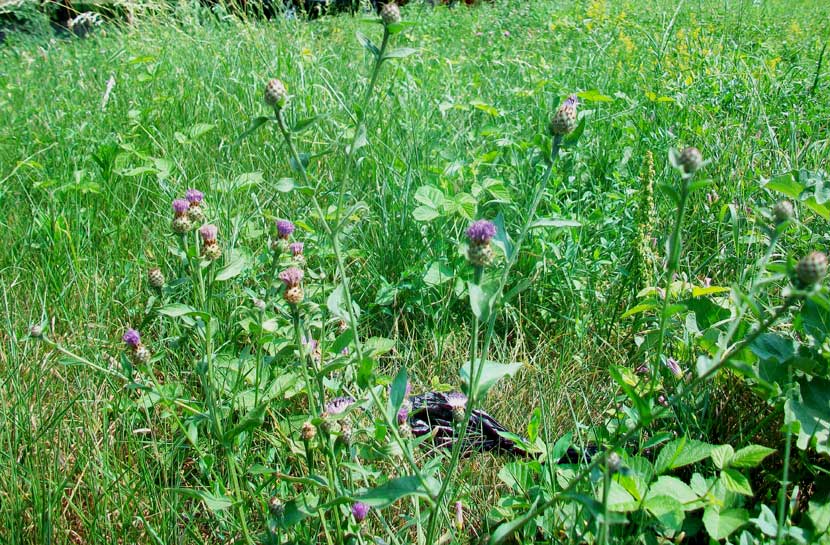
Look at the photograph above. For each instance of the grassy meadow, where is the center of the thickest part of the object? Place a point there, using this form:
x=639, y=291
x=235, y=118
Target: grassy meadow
x=204, y=443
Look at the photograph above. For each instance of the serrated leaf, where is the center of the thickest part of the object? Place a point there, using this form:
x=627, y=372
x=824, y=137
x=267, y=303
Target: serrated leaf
x=750, y=456
x=425, y=213
x=722, y=455
x=667, y=510
x=676, y=489
x=720, y=524
x=681, y=452
x=735, y=481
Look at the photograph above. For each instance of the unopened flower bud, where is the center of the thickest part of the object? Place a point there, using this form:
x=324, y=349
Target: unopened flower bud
x=783, y=211
x=36, y=331
x=564, y=121
x=690, y=159
x=275, y=93
x=613, y=462
x=155, y=277
x=359, y=511
x=308, y=432
x=811, y=269
x=292, y=278
x=390, y=14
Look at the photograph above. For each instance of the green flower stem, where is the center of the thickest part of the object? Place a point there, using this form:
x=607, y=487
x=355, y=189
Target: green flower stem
x=476, y=371
x=671, y=268
x=785, y=474
x=347, y=295
x=298, y=339
x=606, y=485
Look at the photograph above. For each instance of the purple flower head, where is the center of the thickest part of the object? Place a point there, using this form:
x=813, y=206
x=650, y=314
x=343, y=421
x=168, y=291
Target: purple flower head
x=339, y=405
x=131, y=338
x=208, y=233
x=296, y=248
x=359, y=511
x=292, y=276
x=284, y=228
x=403, y=414
x=194, y=196
x=180, y=206
x=571, y=101
x=456, y=400
x=642, y=370
x=674, y=367
x=481, y=231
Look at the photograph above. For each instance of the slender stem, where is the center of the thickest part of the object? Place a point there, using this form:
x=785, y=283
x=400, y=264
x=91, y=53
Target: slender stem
x=785, y=477
x=298, y=339
x=606, y=485
x=476, y=371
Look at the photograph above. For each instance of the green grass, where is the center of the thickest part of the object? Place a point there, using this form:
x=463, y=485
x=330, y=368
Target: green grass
x=739, y=80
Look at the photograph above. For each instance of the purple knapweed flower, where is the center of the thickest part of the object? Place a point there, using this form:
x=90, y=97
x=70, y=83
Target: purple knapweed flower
x=292, y=276
x=481, y=232
x=194, y=196
x=456, y=400
x=284, y=228
x=339, y=405
x=132, y=338
x=208, y=233
x=642, y=370
x=296, y=248
x=674, y=367
x=359, y=511
x=403, y=414
x=180, y=206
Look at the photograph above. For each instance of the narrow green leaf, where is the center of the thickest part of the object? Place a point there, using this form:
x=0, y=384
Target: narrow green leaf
x=255, y=124
x=490, y=375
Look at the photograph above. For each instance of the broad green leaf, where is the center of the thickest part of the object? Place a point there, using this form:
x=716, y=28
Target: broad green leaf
x=238, y=263
x=365, y=373
x=490, y=374
x=681, y=452
x=438, y=273
x=425, y=213
x=298, y=509
x=766, y=521
x=302, y=124
x=482, y=298
x=771, y=346
x=534, y=425
x=377, y=346
x=174, y=310
x=750, y=456
x=484, y=107
x=786, y=184
x=594, y=95
x=667, y=510
x=811, y=412
x=398, y=392
x=400, y=53
x=430, y=196
x=619, y=500
x=722, y=455
x=720, y=524
x=401, y=487
x=736, y=482
x=367, y=43
x=675, y=489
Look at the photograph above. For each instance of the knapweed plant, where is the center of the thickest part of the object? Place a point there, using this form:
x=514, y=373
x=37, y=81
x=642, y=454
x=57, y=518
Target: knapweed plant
x=282, y=420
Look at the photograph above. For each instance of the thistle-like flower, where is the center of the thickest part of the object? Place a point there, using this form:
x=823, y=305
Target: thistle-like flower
x=284, y=229
x=390, y=14
x=783, y=211
x=690, y=160
x=195, y=212
x=674, y=367
x=296, y=249
x=458, y=405
x=479, y=235
x=155, y=277
x=564, y=121
x=308, y=432
x=181, y=223
x=359, y=511
x=276, y=94
x=210, y=247
x=338, y=405
x=293, y=278
x=811, y=269
x=139, y=354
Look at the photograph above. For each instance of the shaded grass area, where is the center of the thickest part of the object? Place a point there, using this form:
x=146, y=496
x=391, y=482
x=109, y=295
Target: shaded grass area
x=85, y=192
